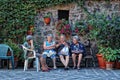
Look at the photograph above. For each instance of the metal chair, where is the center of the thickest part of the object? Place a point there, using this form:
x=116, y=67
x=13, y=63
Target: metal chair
x=89, y=57
x=26, y=50
x=3, y=53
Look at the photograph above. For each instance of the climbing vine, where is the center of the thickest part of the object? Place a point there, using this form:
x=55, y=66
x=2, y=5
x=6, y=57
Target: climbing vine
x=17, y=15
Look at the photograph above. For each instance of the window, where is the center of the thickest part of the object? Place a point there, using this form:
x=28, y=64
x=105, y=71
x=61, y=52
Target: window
x=63, y=14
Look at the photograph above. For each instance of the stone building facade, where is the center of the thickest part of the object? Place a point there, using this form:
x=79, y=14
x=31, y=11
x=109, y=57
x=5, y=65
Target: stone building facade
x=75, y=13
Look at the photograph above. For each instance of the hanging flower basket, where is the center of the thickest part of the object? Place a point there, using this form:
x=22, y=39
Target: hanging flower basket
x=29, y=32
x=63, y=27
x=47, y=20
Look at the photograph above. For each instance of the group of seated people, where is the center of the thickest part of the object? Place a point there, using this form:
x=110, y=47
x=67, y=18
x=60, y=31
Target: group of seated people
x=61, y=48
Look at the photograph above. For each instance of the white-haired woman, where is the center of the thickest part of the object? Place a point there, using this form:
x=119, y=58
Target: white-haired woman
x=63, y=50
x=77, y=49
x=49, y=51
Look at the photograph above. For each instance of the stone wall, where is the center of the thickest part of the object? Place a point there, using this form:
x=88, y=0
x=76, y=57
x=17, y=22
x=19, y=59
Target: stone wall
x=75, y=13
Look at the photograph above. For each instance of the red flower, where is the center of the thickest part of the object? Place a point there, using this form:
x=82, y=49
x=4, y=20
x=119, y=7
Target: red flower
x=76, y=30
x=67, y=26
x=62, y=27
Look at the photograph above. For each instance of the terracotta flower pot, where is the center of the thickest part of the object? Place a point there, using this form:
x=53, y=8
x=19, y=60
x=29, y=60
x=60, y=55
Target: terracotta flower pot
x=47, y=20
x=9, y=53
x=109, y=65
x=90, y=27
x=29, y=32
x=101, y=61
x=117, y=65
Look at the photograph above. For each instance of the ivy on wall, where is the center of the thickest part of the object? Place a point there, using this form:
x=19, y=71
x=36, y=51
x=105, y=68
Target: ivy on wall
x=17, y=15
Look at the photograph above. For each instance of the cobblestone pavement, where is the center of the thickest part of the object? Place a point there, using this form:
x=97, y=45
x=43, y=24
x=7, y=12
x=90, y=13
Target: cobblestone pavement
x=60, y=74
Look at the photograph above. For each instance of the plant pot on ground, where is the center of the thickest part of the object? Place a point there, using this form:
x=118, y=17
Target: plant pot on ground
x=110, y=56
x=117, y=65
x=101, y=61
x=100, y=57
x=109, y=65
x=16, y=50
x=15, y=60
x=117, y=62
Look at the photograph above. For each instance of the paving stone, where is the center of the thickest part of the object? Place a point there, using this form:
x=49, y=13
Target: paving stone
x=60, y=74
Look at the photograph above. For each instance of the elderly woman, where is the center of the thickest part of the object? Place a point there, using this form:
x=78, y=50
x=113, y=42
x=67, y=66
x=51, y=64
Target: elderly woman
x=49, y=51
x=77, y=49
x=63, y=50
x=29, y=44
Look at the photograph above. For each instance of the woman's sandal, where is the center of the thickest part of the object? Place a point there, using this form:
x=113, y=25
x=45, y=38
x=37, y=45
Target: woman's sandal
x=45, y=70
x=78, y=68
x=49, y=68
x=74, y=67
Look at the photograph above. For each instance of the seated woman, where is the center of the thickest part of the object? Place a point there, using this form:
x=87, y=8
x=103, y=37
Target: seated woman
x=63, y=50
x=49, y=51
x=77, y=49
x=29, y=44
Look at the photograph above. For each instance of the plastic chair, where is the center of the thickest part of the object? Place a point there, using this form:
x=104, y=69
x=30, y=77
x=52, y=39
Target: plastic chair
x=3, y=53
x=27, y=58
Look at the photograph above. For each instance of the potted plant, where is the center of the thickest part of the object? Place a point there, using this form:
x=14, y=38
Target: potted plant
x=63, y=27
x=80, y=27
x=100, y=57
x=16, y=50
x=117, y=63
x=110, y=56
x=30, y=30
x=47, y=18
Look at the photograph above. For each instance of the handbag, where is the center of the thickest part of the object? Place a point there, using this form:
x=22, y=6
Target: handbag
x=60, y=48
x=65, y=50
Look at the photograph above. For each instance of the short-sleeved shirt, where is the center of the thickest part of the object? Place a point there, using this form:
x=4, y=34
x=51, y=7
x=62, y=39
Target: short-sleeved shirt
x=49, y=53
x=77, y=47
x=29, y=53
x=49, y=44
x=27, y=45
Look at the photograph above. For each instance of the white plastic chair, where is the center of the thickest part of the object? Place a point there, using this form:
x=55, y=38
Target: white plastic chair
x=31, y=57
